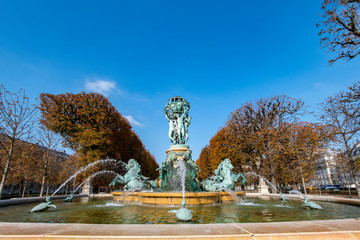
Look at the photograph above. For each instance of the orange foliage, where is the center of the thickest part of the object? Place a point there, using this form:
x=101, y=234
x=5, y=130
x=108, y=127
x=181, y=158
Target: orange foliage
x=264, y=137
x=93, y=128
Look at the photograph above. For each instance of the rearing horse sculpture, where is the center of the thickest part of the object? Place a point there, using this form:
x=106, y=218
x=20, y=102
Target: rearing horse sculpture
x=224, y=178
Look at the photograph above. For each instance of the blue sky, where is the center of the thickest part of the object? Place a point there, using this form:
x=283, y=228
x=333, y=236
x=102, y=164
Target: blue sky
x=216, y=54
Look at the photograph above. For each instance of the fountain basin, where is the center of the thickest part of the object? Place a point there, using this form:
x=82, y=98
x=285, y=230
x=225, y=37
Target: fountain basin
x=106, y=211
x=175, y=198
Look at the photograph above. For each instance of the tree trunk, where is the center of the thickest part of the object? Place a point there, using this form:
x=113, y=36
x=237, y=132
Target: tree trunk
x=352, y=165
x=44, y=174
x=272, y=167
x=74, y=185
x=47, y=189
x=25, y=182
x=348, y=185
x=303, y=180
x=355, y=176
x=272, y=174
x=66, y=190
x=7, y=166
x=11, y=189
x=357, y=185
x=6, y=170
x=24, y=188
x=20, y=188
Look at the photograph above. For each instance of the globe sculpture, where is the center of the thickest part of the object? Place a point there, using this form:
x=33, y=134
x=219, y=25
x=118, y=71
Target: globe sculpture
x=177, y=113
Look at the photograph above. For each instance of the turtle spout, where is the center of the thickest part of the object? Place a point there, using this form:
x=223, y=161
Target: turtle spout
x=183, y=203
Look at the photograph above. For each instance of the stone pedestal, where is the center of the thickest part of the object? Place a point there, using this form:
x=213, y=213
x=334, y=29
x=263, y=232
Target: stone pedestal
x=179, y=149
x=87, y=188
x=169, y=175
x=262, y=187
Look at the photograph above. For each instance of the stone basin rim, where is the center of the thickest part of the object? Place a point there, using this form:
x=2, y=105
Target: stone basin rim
x=176, y=194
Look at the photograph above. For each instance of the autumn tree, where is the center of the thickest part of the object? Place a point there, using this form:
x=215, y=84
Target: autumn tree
x=352, y=95
x=306, y=144
x=204, y=163
x=342, y=167
x=92, y=127
x=16, y=120
x=258, y=127
x=23, y=167
x=339, y=113
x=49, y=141
x=340, y=28
x=27, y=165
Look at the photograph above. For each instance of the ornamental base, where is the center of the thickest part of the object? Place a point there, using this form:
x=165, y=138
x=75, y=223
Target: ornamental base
x=175, y=198
x=169, y=173
x=87, y=188
x=262, y=187
x=178, y=148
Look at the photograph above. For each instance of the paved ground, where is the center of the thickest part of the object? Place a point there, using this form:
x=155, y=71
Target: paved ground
x=330, y=229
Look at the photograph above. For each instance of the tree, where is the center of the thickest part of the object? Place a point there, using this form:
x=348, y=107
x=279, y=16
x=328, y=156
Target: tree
x=342, y=167
x=340, y=28
x=307, y=143
x=26, y=165
x=204, y=163
x=92, y=127
x=218, y=150
x=258, y=129
x=352, y=95
x=16, y=120
x=339, y=113
x=256, y=138
x=49, y=141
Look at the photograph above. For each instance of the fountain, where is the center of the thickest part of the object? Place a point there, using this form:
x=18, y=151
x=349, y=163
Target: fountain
x=178, y=183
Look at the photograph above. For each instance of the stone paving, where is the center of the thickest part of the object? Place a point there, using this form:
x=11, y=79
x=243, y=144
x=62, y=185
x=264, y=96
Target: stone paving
x=329, y=229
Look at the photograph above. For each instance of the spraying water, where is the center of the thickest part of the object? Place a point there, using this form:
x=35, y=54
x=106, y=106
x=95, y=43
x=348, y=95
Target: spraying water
x=267, y=181
x=183, y=213
x=85, y=168
x=94, y=175
x=181, y=171
x=234, y=195
x=296, y=192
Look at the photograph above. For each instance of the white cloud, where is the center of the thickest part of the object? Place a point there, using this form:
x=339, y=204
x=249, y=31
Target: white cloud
x=133, y=121
x=100, y=86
